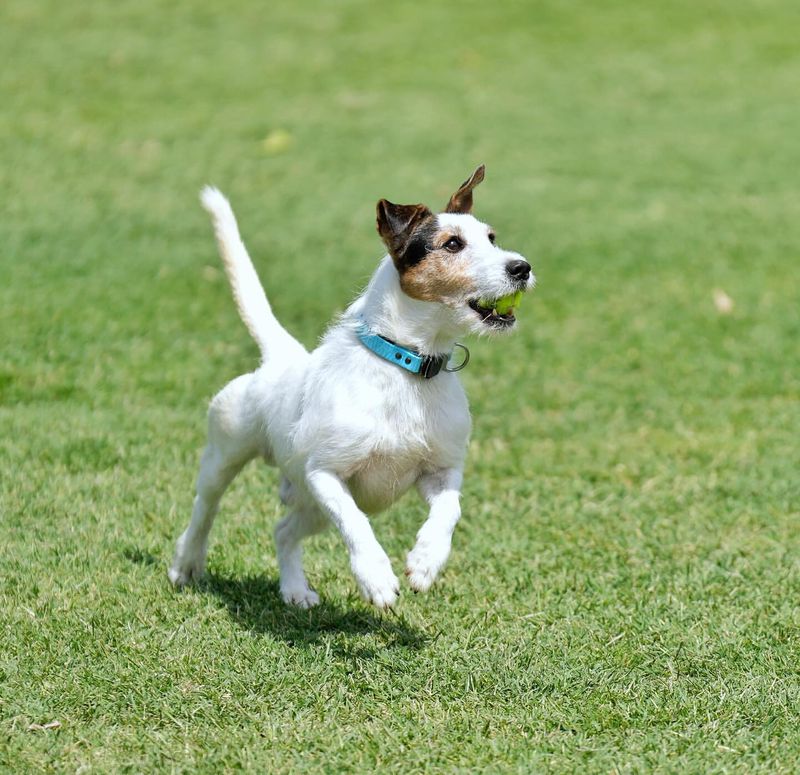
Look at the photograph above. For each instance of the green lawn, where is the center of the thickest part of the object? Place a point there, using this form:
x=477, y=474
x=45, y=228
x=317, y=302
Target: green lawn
x=624, y=586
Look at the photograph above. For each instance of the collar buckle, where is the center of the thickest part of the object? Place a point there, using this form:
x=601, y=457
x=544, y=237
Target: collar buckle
x=431, y=365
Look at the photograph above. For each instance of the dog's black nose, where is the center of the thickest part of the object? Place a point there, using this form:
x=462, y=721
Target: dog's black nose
x=518, y=269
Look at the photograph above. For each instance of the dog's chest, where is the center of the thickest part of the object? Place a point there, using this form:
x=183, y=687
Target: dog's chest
x=410, y=438
x=383, y=478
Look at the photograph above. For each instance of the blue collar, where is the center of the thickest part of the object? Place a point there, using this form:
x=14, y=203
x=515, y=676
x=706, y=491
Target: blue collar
x=427, y=366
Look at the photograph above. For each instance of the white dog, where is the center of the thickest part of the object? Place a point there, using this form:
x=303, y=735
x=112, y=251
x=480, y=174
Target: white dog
x=370, y=412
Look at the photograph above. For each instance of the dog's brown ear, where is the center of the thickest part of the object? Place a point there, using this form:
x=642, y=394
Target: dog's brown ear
x=461, y=201
x=396, y=222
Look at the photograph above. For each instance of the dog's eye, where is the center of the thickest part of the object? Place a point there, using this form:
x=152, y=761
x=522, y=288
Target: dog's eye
x=454, y=244
x=492, y=237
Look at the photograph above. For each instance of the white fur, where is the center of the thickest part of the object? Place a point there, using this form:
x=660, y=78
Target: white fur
x=349, y=431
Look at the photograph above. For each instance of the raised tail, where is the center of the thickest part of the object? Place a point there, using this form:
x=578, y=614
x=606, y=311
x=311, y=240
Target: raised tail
x=248, y=293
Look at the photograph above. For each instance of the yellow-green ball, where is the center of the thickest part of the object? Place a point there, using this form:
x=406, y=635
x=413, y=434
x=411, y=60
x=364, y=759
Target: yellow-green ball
x=506, y=303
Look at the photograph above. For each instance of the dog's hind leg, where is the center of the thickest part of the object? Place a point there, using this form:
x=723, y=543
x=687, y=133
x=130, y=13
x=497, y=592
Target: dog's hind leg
x=286, y=492
x=216, y=472
x=231, y=444
x=298, y=524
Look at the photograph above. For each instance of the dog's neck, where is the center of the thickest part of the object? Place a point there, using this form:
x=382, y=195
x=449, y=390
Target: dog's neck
x=423, y=326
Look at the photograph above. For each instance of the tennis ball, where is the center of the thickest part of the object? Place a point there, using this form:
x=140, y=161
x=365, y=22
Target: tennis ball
x=507, y=303
x=504, y=304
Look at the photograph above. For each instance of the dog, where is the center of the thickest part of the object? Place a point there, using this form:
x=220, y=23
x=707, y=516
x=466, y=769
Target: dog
x=373, y=410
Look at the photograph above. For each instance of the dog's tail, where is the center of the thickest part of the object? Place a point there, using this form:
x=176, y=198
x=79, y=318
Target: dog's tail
x=248, y=293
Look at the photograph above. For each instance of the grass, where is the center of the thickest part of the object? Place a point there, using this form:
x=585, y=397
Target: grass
x=623, y=590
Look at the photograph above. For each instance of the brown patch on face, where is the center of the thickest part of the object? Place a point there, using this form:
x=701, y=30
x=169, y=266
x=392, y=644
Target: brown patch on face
x=428, y=271
x=441, y=276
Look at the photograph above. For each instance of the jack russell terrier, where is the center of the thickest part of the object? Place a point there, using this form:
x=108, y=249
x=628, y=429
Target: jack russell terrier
x=374, y=409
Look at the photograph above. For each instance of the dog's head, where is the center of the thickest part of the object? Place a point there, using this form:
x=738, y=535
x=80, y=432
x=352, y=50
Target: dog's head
x=453, y=259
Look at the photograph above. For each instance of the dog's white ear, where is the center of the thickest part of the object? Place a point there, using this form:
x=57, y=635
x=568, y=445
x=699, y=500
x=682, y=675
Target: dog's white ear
x=461, y=201
x=396, y=222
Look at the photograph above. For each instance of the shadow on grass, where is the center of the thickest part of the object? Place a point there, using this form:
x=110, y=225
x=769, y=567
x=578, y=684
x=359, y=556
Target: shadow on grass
x=255, y=603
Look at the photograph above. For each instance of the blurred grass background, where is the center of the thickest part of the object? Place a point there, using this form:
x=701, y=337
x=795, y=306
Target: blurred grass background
x=622, y=595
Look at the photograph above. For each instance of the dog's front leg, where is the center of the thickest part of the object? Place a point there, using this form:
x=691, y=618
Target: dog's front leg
x=369, y=562
x=442, y=490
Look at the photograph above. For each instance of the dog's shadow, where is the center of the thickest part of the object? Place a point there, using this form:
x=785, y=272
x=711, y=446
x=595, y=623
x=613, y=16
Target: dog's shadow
x=255, y=603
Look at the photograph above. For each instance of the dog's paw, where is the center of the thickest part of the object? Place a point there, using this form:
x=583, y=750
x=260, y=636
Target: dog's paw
x=188, y=563
x=376, y=579
x=183, y=572
x=425, y=561
x=302, y=597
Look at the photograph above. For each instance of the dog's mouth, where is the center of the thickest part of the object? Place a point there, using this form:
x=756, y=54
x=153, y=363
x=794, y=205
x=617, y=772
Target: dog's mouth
x=497, y=313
